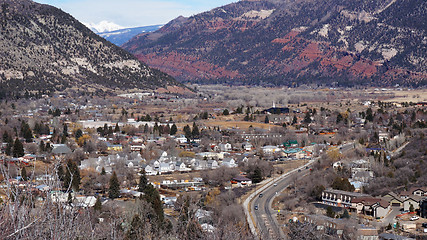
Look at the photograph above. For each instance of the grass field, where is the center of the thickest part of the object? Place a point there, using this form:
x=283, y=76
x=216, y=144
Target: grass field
x=418, y=95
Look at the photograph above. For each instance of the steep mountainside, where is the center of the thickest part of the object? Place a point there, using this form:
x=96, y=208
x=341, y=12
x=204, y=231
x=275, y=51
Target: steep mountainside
x=292, y=42
x=43, y=49
x=121, y=36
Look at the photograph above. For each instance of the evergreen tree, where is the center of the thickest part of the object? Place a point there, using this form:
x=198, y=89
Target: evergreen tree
x=142, y=183
x=65, y=130
x=24, y=174
x=114, y=189
x=60, y=173
x=78, y=134
x=257, y=175
x=134, y=231
x=152, y=196
x=369, y=115
x=174, y=129
x=103, y=171
x=26, y=132
x=117, y=128
x=148, y=118
x=18, y=149
x=329, y=212
x=266, y=120
x=225, y=112
x=345, y=214
x=294, y=120
x=195, y=133
x=42, y=147
x=72, y=176
x=307, y=118
x=98, y=204
x=187, y=132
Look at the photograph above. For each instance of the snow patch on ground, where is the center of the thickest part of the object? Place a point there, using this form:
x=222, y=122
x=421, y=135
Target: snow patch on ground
x=263, y=14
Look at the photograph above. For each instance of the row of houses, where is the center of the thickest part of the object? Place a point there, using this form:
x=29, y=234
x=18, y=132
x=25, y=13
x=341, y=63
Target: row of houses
x=377, y=207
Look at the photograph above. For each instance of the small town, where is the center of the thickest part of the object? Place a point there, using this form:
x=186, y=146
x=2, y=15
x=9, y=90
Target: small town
x=213, y=120
x=208, y=164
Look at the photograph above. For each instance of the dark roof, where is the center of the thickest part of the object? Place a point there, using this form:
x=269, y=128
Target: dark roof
x=241, y=179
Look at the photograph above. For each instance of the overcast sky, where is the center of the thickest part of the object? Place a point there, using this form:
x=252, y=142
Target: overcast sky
x=133, y=13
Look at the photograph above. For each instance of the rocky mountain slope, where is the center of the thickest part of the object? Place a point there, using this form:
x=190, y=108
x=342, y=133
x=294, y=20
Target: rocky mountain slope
x=121, y=36
x=43, y=49
x=293, y=42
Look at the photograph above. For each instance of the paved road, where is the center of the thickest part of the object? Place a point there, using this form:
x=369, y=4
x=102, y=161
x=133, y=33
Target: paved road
x=265, y=217
x=263, y=222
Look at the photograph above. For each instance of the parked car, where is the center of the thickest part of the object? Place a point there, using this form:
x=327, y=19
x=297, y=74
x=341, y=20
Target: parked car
x=260, y=195
x=275, y=184
x=406, y=211
x=424, y=225
x=256, y=207
x=414, y=218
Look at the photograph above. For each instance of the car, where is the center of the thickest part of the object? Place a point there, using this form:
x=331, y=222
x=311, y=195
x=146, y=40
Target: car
x=260, y=195
x=414, y=218
x=424, y=225
x=275, y=184
x=306, y=167
x=403, y=212
x=256, y=207
x=299, y=170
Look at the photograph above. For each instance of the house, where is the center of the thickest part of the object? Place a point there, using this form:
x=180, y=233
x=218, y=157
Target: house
x=367, y=233
x=241, y=181
x=376, y=207
x=114, y=147
x=137, y=147
x=180, y=166
x=339, y=198
x=423, y=208
x=270, y=149
x=60, y=149
x=165, y=168
x=182, y=139
x=225, y=147
x=211, y=155
x=390, y=236
x=229, y=162
x=212, y=164
x=404, y=200
x=149, y=170
x=247, y=146
x=290, y=143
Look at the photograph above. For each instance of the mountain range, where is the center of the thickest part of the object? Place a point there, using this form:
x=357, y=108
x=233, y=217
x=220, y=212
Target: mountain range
x=294, y=42
x=121, y=36
x=43, y=49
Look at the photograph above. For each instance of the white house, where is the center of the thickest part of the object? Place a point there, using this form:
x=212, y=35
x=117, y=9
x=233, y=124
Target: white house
x=149, y=170
x=229, y=162
x=241, y=181
x=225, y=147
x=165, y=168
x=270, y=149
x=180, y=166
x=213, y=164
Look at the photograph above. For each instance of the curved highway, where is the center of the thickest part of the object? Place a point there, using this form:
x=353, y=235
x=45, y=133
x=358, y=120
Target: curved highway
x=261, y=217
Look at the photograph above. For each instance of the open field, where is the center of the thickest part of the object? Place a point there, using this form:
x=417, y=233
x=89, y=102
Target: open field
x=238, y=124
x=418, y=95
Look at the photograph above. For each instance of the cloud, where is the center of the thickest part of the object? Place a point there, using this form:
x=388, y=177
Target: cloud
x=132, y=13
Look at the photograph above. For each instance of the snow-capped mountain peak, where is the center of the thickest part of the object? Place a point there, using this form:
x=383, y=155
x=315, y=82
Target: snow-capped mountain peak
x=103, y=26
